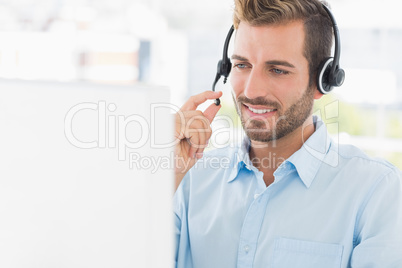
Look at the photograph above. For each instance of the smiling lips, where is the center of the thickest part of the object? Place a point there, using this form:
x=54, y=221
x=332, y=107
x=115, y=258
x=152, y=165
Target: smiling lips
x=259, y=110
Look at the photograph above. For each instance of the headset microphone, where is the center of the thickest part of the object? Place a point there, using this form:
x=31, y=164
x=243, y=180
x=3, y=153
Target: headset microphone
x=329, y=73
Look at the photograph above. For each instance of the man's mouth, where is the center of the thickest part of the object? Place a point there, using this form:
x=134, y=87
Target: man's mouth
x=260, y=110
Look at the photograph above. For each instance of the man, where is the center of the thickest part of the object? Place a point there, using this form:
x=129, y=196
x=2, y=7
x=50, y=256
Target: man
x=289, y=196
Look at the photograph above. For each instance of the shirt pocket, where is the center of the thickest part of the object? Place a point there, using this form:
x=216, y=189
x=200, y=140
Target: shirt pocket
x=291, y=253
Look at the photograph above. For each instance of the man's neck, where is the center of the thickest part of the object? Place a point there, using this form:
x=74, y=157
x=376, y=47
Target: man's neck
x=268, y=156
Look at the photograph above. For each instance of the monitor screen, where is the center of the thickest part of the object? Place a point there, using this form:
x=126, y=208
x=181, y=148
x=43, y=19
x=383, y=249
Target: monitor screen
x=86, y=177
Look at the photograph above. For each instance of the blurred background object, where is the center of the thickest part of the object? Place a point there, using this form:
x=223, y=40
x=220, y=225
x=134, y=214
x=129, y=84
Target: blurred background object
x=177, y=43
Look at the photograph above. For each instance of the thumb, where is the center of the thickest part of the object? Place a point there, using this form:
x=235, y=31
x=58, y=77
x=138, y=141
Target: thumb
x=211, y=111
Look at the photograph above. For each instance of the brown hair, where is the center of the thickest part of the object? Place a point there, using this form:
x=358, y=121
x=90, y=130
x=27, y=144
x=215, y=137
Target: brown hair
x=317, y=25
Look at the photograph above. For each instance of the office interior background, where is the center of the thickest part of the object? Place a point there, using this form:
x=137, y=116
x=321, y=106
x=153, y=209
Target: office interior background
x=178, y=43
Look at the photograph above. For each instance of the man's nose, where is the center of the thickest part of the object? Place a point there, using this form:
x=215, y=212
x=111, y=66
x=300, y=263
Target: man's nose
x=256, y=85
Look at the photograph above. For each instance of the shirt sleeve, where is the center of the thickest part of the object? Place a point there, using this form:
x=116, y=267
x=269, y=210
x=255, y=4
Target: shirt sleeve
x=378, y=229
x=180, y=204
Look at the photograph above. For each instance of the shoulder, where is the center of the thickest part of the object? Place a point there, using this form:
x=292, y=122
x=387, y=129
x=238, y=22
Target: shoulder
x=351, y=153
x=355, y=164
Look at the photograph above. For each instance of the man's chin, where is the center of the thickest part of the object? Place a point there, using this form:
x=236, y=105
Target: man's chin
x=260, y=135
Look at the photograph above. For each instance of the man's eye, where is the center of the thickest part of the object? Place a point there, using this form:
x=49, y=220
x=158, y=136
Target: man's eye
x=240, y=66
x=279, y=71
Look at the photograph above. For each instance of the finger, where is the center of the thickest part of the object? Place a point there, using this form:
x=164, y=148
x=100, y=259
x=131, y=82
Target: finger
x=198, y=99
x=183, y=121
x=200, y=131
x=196, y=122
x=198, y=137
x=202, y=140
x=193, y=148
x=211, y=112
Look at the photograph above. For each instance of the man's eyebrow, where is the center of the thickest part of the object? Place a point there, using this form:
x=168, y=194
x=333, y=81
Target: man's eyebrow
x=270, y=62
x=280, y=62
x=238, y=57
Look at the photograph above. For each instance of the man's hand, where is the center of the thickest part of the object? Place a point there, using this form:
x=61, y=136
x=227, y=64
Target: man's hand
x=193, y=130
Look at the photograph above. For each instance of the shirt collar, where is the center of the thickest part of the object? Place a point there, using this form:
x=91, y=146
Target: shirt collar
x=307, y=160
x=241, y=158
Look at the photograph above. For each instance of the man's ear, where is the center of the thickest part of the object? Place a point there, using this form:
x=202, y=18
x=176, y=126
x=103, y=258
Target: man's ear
x=317, y=94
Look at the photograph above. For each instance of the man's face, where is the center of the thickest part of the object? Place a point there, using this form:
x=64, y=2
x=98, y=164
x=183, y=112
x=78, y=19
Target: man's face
x=270, y=79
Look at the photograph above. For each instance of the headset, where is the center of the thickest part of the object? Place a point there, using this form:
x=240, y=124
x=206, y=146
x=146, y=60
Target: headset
x=329, y=73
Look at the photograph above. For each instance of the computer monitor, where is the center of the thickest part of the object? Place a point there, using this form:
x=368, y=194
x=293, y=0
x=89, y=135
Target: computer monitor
x=86, y=177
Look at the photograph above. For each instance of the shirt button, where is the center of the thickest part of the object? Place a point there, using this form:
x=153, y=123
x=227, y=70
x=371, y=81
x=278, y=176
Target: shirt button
x=256, y=196
x=246, y=249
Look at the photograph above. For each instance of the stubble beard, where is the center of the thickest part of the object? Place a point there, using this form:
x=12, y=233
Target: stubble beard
x=284, y=123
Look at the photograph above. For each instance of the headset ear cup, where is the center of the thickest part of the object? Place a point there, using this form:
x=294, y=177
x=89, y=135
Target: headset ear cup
x=323, y=83
x=219, y=68
x=224, y=67
x=339, y=77
x=228, y=67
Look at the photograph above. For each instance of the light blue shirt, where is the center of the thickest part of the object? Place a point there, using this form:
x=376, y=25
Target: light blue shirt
x=329, y=206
